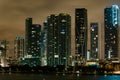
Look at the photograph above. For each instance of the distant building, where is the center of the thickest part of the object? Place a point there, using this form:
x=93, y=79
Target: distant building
x=32, y=43
x=81, y=28
x=111, y=22
x=19, y=48
x=58, y=39
x=3, y=48
x=94, y=29
x=3, y=52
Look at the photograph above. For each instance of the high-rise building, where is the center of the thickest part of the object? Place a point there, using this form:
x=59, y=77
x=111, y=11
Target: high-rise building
x=33, y=49
x=94, y=29
x=81, y=32
x=19, y=48
x=111, y=21
x=3, y=48
x=3, y=51
x=44, y=44
x=58, y=39
x=28, y=25
x=52, y=41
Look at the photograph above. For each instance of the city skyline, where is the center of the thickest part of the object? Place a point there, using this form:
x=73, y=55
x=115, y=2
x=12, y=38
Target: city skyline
x=49, y=42
x=59, y=38
x=13, y=14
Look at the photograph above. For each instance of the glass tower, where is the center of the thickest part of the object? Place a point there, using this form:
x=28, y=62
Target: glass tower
x=33, y=49
x=111, y=31
x=44, y=44
x=58, y=39
x=94, y=41
x=81, y=32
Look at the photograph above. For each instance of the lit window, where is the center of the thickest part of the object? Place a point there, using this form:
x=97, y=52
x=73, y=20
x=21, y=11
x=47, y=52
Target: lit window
x=63, y=20
x=33, y=35
x=51, y=24
x=64, y=57
x=62, y=32
x=33, y=31
x=94, y=38
x=92, y=29
x=56, y=56
x=96, y=35
x=114, y=36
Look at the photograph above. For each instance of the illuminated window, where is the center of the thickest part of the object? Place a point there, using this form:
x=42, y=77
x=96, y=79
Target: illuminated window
x=96, y=35
x=63, y=20
x=33, y=31
x=94, y=38
x=92, y=29
x=62, y=32
x=51, y=24
x=64, y=57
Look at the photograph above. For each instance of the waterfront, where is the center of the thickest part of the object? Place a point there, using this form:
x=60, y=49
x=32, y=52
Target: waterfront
x=13, y=76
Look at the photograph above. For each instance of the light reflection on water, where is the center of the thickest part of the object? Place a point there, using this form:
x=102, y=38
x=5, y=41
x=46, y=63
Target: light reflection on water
x=13, y=76
x=101, y=77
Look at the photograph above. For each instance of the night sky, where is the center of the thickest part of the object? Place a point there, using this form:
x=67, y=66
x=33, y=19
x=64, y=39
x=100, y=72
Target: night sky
x=14, y=12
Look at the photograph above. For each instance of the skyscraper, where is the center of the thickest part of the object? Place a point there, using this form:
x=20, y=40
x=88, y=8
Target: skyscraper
x=33, y=49
x=3, y=48
x=3, y=51
x=19, y=49
x=111, y=22
x=58, y=39
x=94, y=41
x=52, y=40
x=81, y=31
x=44, y=44
x=28, y=25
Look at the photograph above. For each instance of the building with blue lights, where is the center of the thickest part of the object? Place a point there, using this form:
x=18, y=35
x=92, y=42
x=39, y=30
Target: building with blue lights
x=111, y=22
x=58, y=39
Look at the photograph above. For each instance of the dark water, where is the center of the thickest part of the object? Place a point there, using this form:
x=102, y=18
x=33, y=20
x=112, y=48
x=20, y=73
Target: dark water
x=13, y=76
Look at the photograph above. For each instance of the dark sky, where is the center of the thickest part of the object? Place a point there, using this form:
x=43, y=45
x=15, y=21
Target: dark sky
x=14, y=12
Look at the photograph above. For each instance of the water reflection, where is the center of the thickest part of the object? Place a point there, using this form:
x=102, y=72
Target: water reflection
x=12, y=76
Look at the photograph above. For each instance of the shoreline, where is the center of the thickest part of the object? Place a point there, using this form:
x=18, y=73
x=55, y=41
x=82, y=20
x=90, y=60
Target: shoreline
x=61, y=73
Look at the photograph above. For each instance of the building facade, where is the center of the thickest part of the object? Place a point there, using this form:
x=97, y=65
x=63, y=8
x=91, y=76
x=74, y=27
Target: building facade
x=44, y=44
x=111, y=22
x=3, y=48
x=3, y=53
x=94, y=55
x=33, y=49
x=81, y=32
x=19, y=48
x=58, y=39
